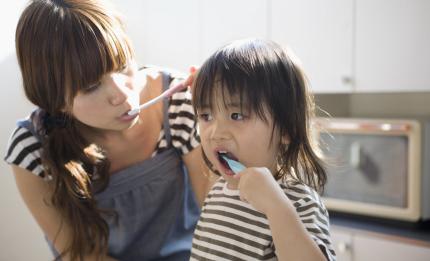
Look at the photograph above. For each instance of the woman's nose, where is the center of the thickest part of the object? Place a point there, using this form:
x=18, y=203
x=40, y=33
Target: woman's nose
x=119, y=91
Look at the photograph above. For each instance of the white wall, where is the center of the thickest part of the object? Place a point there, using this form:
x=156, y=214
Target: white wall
x=20, y=237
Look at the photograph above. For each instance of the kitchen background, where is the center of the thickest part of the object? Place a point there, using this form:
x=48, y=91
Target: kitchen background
x=364, y=58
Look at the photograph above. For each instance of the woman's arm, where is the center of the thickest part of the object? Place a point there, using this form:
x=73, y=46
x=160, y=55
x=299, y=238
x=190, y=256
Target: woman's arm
x=200, y=176
x=36, y=194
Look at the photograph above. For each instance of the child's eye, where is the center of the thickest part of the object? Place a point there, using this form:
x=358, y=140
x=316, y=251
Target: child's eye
x=205, y=116
x=237, y=116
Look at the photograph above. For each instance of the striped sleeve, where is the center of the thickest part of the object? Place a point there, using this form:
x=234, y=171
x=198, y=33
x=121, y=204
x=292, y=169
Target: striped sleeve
x=24, y=151
x=313, y=215
x=183, y=125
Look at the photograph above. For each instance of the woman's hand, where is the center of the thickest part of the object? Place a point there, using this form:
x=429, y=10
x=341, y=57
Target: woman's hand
x=258, y=187
x=190, y=79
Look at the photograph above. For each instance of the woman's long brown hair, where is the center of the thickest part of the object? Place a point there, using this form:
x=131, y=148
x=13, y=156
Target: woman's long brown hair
x=62, y=48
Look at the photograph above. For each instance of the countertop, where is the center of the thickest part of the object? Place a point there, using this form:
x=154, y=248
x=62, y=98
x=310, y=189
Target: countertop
x=415, y=231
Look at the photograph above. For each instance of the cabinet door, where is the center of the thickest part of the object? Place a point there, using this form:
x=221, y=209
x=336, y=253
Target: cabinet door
x=371, y=248
x=342, y=244
x=223, y=21
x=392, y=45
x=320, y=34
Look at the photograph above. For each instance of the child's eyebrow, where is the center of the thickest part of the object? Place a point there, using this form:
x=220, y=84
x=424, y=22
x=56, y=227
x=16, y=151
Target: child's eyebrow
x=233, y=104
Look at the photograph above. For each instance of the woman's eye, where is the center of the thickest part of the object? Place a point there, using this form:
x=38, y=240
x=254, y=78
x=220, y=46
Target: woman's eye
x=205, y=117
x=92, y=88
x=123, y=69
x=237, y=116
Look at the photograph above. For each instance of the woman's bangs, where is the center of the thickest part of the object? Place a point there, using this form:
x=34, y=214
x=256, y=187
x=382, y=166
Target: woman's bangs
x=99, y=49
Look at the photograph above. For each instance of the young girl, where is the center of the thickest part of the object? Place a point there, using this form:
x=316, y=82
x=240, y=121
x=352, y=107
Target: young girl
x=253, y=107
x=102, y=184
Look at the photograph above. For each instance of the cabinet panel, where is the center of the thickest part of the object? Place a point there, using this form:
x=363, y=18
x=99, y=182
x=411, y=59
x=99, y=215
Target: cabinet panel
x=320, y=33
x=369, y=248
x=392, y=45
x=342, y=244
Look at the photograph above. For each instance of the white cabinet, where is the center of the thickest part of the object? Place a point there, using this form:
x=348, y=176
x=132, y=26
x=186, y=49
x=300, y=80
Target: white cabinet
x=345, y=45
x=356, y=245
x=178, y=34
x=320, y=34
x=357, y=45
x=342, y=244
x=392, y=46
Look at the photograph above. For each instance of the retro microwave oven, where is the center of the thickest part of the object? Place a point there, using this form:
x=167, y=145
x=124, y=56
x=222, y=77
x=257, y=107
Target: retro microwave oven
x=376, y=167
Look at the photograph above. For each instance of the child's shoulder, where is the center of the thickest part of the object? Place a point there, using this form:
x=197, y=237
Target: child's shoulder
x=301, y=194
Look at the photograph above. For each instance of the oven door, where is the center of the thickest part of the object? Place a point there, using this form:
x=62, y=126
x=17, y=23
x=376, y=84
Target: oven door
x=373, y=167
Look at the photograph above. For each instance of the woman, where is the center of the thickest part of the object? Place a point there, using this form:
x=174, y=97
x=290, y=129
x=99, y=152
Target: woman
x=102, y=184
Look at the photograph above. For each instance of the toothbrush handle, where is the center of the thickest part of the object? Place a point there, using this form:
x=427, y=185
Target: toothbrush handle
x=166, y=94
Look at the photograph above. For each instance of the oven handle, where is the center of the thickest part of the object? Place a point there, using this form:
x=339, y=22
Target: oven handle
x=366, y=126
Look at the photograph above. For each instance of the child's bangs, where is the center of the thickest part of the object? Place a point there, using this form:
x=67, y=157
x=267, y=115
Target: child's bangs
x=221, y=79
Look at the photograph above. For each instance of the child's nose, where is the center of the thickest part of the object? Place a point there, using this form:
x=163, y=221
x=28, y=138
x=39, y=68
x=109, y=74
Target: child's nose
x=119, y=90
x=220, y=131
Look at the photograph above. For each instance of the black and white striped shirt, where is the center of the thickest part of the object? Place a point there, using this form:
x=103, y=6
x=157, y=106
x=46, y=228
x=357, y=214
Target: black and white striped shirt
x=24, y=149
x=230, y=229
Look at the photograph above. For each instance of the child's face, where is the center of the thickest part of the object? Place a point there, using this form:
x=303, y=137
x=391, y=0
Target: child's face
x=242, y=135
x=105, y=105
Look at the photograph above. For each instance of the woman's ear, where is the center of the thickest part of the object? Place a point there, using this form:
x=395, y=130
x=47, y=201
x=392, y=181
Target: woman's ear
x=285, y=139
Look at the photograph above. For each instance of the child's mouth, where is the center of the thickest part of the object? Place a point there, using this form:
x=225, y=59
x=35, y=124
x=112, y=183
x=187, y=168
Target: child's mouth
x=222, y=154
x=224, y=163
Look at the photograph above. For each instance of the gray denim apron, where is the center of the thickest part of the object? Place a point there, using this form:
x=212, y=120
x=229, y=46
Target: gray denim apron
x=156, y=208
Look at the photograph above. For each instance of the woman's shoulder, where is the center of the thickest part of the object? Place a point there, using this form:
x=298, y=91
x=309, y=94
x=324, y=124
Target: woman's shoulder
x=182, y=121
x=24, y=150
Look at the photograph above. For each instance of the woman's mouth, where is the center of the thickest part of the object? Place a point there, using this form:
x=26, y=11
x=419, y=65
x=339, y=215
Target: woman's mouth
x=127, y=117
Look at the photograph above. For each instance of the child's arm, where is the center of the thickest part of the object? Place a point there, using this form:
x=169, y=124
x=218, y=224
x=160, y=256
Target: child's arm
x=292, y=241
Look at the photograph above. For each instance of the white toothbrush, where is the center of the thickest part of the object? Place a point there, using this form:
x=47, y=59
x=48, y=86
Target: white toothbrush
x=234, y=165
x=166, y=94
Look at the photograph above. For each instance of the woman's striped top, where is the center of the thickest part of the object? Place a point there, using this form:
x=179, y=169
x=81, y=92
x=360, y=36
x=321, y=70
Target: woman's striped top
x=24, y=149
x=230, y=229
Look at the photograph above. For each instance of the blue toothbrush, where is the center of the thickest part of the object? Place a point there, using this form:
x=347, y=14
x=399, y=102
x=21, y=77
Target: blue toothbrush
x=235, y=166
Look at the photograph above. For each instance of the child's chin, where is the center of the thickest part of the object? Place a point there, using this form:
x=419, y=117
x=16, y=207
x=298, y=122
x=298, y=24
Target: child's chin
x=229, y=178
x=231, y=183
x=228, y=173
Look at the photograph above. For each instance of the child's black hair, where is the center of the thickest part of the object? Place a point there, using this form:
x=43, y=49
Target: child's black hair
x=268, y=82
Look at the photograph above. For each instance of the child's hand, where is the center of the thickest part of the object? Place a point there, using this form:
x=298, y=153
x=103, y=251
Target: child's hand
x=258, y=187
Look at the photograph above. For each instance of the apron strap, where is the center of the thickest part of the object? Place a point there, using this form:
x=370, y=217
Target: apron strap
x=166, y=126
